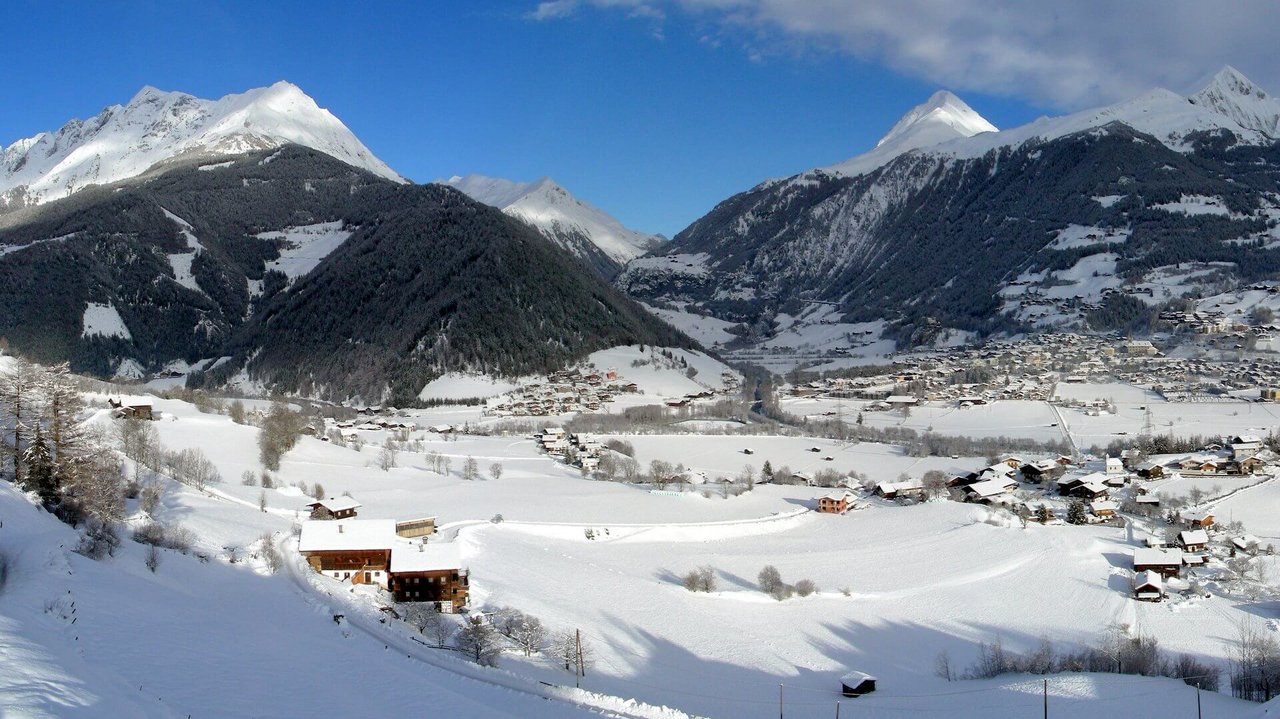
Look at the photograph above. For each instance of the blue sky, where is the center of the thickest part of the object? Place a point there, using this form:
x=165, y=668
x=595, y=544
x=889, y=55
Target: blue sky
x=652, y=109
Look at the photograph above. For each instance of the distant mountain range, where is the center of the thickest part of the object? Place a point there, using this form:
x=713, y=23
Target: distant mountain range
x=949, y=226
x=254, y=240
x=579, y=227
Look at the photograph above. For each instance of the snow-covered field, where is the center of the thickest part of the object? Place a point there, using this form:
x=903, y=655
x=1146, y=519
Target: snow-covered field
x=897, y=585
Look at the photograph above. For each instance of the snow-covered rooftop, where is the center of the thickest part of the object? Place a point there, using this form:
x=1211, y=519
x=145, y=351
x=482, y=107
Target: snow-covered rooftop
x=337, y=504
x=347, y=535
x=1150, y=556
x=424, y=557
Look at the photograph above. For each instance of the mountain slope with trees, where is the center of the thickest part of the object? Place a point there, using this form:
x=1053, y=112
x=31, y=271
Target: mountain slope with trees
x=184, y=264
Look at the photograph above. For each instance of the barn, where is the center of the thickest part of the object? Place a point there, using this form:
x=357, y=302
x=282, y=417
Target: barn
x=855, y=684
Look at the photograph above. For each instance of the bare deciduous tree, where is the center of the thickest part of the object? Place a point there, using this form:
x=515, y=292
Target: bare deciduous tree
x=479, y=641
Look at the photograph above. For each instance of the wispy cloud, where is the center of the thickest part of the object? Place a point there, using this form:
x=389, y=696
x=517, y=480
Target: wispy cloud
x=553, y=9
x=1060, y=54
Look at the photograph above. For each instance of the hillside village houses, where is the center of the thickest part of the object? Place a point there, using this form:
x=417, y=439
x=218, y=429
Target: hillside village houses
x=581, y=390
x=1030, y=369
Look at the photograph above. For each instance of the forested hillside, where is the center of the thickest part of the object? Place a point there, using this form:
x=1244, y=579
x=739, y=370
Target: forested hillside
x=172, y=269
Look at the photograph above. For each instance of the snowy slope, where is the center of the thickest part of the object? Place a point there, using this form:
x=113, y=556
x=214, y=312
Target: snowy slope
x=942, y=118
x=80, y=638
x=123, y=141
x=550, y=208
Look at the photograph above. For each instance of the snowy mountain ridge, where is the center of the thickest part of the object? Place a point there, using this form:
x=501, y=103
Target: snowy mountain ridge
x=559, y=215
x=945, y=125
x=1092, y=219
x=124, y=141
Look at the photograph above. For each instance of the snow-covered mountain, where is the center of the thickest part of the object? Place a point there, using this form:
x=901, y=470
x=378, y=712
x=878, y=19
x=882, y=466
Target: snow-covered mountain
x=124, y=141
x=578, y=226
x=948, y=223
x=943, y=117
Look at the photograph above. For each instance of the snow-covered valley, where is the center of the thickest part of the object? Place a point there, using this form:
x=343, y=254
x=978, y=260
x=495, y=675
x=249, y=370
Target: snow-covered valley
x=897, y=586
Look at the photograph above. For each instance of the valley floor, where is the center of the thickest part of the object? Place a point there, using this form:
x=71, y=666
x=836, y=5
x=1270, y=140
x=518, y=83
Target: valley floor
x=897, y=586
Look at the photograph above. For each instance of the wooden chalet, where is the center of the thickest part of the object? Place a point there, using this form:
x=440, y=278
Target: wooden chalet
x=424, y=572
x=1165, y=562
x=834, y=503
x=354, y=550
x=334, y=508
x=1040, y=472
x=898, y=490
x=987, y=490
x=369, y=551
x=1067, y=485
x=131, y=411
x=1251, y=464
x=1201, y=463
x=1103, y=508
x=1090, y=490
x=855, y=684
x=1148, y=586
x=1247, y=543
x=1193, y=540
x=1199, y=518
x=1149, y=470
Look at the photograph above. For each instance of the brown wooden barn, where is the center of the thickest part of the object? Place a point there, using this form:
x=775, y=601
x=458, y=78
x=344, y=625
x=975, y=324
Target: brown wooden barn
x=413, y=528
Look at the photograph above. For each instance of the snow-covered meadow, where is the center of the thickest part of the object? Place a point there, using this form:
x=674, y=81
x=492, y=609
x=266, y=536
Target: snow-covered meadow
x=897, y=585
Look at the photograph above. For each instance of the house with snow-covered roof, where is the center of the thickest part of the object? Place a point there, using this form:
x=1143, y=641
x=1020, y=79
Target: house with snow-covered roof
x=987, y=490
x=1148, y=586
x=1193, y=540
x=1198, y=517
x=371, y=552
x=836, y=502
x=1165, y=562
x=334, y=508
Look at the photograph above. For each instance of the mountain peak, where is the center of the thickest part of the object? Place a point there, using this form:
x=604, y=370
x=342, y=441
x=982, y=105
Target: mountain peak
x=556, y=213
x=124, y=141
x=1229, y=80
x=146, y=93
x=1235, y=96
x=941, y=118
x=942, y=111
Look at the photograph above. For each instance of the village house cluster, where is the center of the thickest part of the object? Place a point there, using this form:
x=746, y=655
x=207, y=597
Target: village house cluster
x=573, y=390
x=1029, y=369
x=577, y=450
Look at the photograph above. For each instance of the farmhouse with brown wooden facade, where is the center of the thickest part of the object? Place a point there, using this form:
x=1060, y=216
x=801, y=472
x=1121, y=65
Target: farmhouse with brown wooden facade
x=369, y=551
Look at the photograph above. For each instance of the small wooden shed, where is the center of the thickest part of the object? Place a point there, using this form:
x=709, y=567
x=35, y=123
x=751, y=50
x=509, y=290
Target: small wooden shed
x=855, y=684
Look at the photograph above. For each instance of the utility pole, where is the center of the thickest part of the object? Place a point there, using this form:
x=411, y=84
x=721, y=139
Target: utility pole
x=1199, y=715
x=577, y=641
x=1046, y=699
x=779, y=701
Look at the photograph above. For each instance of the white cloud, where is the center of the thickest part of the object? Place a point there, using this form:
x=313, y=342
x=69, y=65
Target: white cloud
x=554, y=9
x=1062, y=54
